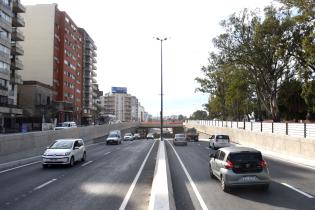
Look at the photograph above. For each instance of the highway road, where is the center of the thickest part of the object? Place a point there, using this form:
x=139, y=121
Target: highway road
x=120, y=177
x=110, y=178
x=207, y=192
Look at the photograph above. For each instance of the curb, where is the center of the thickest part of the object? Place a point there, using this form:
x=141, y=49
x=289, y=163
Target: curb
x=162, y=190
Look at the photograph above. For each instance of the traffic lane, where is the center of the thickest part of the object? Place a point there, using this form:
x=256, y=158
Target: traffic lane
x=18, y=182
x=195, y=158
x=101, y=184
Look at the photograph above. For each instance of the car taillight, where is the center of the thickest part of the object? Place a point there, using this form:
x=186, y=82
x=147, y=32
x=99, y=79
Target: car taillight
x=228, y=165
x=263, y=163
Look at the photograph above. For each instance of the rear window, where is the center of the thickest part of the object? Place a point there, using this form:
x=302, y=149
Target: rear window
x=222, y=137
x=237, y=158
x=180, y=136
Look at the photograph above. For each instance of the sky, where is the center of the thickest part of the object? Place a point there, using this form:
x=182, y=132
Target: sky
x=129, y=56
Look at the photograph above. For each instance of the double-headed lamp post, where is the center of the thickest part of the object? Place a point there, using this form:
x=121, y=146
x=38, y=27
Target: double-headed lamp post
x=161, y=113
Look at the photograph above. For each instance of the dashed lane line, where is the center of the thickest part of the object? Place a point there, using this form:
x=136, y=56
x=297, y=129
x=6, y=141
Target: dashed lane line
x=45, y=184
x=87, y=163
x=297, y=190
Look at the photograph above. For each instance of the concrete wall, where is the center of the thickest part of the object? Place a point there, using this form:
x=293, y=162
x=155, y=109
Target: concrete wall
x=286, y=145
x=28, y=141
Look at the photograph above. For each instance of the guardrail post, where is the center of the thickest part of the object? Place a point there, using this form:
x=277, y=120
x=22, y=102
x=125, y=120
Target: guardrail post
x=244, y=125
x=251, y=126
x=261, y=126
x=286, y=129
x=237, y=124
x=304, y=130
x=271, y=127
x=231, y=125
x=222, y=123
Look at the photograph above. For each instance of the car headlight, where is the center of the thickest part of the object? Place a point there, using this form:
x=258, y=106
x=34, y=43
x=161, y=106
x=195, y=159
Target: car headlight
x=45, y=153
x=67, y=153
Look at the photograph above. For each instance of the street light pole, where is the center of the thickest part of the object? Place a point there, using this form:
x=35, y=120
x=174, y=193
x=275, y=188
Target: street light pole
x=161, y=113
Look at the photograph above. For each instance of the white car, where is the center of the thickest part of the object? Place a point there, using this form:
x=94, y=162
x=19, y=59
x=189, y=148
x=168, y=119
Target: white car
x=128, y=137
x=114, y=137
x=66, y=125
x=219, y=141
x=64, y=152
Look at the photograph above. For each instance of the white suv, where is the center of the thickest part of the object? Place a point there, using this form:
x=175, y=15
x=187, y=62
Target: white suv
x=219, y=141
x=64, y=152
x=66, y=125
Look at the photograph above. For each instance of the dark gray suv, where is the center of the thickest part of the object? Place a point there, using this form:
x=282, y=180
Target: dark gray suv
x=239, y=166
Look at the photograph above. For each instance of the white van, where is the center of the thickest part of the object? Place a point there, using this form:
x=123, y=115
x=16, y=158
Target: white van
x=114, y=137
x=66, y=125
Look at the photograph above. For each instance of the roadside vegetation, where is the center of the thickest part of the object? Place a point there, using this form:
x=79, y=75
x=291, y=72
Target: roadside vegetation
x=264, y=63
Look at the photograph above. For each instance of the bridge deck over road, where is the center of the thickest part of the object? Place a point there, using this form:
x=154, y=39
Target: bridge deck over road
x=166, y=124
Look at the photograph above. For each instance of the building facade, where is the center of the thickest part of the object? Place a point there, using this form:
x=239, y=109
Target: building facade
x=89, y=77
x=10, y=64
x=54, y=56
x=123, y=106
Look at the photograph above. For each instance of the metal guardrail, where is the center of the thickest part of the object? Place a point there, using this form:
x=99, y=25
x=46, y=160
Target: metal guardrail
x=304, y=130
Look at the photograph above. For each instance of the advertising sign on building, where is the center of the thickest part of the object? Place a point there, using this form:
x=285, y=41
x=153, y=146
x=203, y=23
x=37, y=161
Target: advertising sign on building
x=119, y=90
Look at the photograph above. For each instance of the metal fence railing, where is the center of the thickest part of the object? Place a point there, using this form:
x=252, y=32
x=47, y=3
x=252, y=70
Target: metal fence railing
x=306, y=130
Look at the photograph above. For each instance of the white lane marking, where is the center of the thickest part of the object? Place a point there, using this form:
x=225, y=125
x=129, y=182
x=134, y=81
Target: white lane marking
x=45, y=184
x=127, y=197
x=192, y=183
x=107, y=153
x=297, y=190
x=207, y=147
x=11, y=169
x=15, y=161
x=87, y=163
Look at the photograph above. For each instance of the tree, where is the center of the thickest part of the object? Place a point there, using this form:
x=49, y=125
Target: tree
x=291, y=103
x=262, y=49
x=199, y=115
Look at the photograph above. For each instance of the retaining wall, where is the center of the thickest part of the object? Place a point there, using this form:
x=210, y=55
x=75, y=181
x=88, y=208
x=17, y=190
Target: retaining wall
x=14, y=143
x=286, y=145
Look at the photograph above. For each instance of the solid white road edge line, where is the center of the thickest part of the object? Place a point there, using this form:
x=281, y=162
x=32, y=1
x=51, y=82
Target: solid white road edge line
x=297, y=190
x=159, y=198
x=107, y=153
x=11, y=169
x=87, y=163
x=127, y=197
x=201, y=201
x=45, y=184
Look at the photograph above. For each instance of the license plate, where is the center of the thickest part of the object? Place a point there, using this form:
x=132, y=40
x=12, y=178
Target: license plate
x=249, y=179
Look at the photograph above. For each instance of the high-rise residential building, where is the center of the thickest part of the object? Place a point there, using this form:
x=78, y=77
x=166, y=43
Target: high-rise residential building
x=53, y=56
x=89, y=77
x=10, y=64
x=122, y=105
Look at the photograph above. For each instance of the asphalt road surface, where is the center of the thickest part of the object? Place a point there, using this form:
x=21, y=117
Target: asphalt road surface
x=292, y=187
x=106, y=180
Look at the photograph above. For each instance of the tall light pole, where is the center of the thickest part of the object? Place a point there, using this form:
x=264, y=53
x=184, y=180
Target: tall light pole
x=161, y=113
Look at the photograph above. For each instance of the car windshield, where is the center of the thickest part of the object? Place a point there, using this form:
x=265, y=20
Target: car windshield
x=223, y=137
x=113, y=135
x=245, y=157
x=65, y=124
x=128, y=134
x=180, y=136
x=61, y=145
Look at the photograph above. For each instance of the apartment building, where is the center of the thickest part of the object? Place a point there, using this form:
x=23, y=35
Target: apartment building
x=53, y=55
x=10, y=64
x=122, y=105
x=89, y=78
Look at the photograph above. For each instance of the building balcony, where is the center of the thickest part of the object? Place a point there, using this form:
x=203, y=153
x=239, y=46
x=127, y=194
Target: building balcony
x=16, y=49
x=18, y=21
x=17, y=35
x=94, y=67
x=94, y=60
x=5, y=24
x=94, y=53
x=94, y=74
x=5, y=57
x=94, y=81
x=5, y=7
x=5, y=41
x=18, y=7
x=16, y=79
x=16, y=64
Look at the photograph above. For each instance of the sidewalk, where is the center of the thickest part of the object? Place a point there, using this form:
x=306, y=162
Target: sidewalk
x=278, y=156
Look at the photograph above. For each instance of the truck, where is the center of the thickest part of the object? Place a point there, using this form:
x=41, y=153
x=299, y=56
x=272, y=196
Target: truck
x=192, y=134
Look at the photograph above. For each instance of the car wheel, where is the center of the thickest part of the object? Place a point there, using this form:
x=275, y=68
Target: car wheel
x=83, y=157
x=223, y=185
x=71, y=164
x=106, y=143
x=265, y=187
x=214, y=147
x=211, y=172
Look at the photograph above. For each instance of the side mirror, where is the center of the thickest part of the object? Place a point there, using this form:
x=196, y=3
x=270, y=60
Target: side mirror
x=211, y=155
